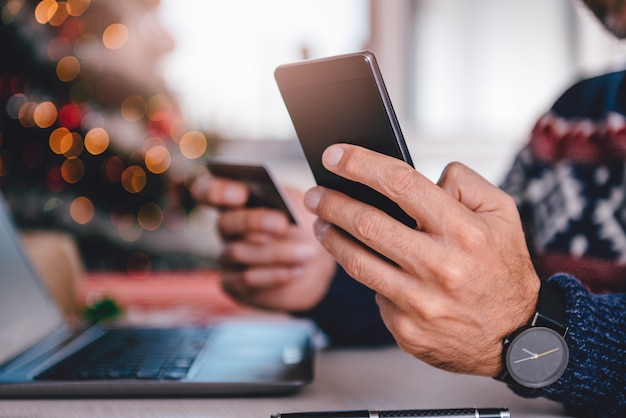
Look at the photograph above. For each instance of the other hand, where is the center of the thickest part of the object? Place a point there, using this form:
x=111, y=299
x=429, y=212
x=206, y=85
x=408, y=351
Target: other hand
x=267, y=262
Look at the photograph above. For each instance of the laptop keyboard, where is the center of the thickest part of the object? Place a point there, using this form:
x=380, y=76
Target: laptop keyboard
x=132, y=354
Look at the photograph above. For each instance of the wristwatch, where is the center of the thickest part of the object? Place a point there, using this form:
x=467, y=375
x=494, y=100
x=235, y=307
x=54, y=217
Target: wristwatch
x=536, y=355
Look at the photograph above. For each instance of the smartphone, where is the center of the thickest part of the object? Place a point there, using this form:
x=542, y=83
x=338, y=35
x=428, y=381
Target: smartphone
x=264, y=191
x=343, y=99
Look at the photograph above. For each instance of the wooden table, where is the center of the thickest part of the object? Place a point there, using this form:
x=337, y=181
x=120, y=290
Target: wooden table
x=384, y=378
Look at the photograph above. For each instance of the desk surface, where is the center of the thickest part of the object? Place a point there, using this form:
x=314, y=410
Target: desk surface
x=345, y=379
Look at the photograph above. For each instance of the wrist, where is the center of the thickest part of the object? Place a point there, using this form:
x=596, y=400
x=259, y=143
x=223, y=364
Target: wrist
x=536, y=354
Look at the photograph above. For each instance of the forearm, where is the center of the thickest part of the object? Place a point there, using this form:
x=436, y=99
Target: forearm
x=348, y=314
x=595, y=380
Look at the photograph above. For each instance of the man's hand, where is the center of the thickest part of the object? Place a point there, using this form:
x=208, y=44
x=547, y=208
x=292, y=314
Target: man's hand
x=267, y=262
x=461, y=281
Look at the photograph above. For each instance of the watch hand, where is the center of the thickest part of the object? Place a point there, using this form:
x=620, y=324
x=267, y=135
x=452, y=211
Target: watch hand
x=529, y=352
x=535, y=356
x=548, y=352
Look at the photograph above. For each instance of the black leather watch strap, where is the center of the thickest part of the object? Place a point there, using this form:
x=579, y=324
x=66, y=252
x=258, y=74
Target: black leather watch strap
x=550, y=309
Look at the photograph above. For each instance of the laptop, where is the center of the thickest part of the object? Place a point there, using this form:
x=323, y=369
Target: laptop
x=43, y=356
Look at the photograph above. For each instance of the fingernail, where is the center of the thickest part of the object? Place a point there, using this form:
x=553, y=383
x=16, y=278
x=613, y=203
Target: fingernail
x=332, y=155
x=234, y=195
x=320, y=227
x=312, y=198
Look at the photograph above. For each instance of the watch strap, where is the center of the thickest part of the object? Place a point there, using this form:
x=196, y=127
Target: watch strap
x=550, y=310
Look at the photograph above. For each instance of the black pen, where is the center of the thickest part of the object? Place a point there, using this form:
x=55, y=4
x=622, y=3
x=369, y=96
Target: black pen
x=407, y=413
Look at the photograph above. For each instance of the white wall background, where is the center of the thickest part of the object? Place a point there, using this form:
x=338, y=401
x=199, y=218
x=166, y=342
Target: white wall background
x=467, y=78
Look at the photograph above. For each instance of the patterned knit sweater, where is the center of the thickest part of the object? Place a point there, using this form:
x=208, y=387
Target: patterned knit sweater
x=570, y=185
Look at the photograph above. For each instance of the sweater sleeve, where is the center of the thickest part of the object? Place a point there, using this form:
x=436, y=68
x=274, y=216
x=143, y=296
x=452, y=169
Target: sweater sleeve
x=594, y=384
x=349, y=315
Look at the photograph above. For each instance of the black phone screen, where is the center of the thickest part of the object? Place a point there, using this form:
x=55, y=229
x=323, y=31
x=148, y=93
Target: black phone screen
x=343, y=99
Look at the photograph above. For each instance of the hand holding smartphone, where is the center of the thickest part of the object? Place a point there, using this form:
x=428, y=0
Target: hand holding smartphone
x=343, y=99
x=263, y=189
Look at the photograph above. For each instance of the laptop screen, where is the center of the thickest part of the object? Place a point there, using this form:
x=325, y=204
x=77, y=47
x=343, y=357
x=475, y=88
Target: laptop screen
x=27, y=312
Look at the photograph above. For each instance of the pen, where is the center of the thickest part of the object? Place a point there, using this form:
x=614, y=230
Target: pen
x=407, y=413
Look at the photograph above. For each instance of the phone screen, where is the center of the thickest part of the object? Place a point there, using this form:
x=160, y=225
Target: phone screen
x=343, y=99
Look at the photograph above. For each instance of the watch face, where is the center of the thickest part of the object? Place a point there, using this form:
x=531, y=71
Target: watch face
x=537, y=357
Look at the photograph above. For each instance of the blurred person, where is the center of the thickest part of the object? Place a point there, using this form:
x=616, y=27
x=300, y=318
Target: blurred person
x=464, y=281
x=91, y=140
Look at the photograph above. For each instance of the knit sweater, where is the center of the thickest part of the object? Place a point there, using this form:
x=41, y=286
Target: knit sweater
x=569, y=182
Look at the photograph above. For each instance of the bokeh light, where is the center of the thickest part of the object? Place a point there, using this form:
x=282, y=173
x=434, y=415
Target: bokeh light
x=45, y=10
x=133, y=108
x=75, y=146
x=81, y=93
x=202, y=218
x=72, y=170
x=68, y=68
x=26, y=114
x=158, y=107
x=174, y=216
x=60, y=14
x=115, y=36
x=77, y=7
x=82, y=210
x=96, y=141
x=58, y=48
x=193, y=144
x=138, y=264
x=134, y=179
x=70, y=116
x=158, y=159
x=58, y=141
x=45, y=114
x=113, y=169
x=150, y=216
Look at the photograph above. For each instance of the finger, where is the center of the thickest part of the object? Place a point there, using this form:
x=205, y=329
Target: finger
x=365, y=266
x=281, y=253
x=418, y=196
x=237, y=223
x=457, y=179
x=219, y=192
x=375, y=229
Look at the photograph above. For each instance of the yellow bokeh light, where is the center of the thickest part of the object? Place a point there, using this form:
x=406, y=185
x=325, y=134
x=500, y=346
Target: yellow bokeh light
x=134, y=179
x=150, y=217
x=115, y=36
x=82, y=210
x=60, y=14
x=158, y=159
x=72, y=145
x=45, y=114
x=158, y=107
x=96, y=141
x=68, y=68
x=193, y=144
x=77, y=7
x=26, y=114
x=58, y=141
x=133, y=108
x=72, y=170
x=45, y=10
